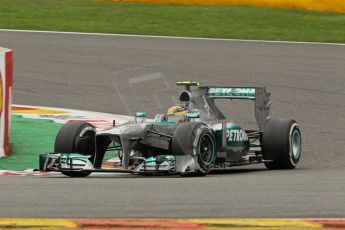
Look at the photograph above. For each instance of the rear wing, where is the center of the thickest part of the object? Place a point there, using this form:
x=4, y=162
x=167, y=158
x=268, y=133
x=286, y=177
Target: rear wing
x=231, y=93
x=258, y=94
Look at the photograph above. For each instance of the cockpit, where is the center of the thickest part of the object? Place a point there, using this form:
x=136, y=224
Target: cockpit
x=190, y=108
x=175, y=114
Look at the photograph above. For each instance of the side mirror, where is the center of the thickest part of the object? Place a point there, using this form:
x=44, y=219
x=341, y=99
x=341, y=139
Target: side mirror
x=141, y=114
x=193, y=115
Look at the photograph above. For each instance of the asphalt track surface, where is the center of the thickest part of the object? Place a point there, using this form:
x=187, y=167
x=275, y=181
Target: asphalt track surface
x=120, y=74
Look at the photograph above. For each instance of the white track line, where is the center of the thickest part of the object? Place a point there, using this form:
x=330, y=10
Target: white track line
x=171, y=37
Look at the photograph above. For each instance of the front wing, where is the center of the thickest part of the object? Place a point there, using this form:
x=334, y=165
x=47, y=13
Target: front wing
x=163, y=164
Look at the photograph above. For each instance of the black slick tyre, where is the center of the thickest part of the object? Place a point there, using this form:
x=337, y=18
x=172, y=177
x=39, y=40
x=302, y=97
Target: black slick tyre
x=195, y=139
x=281, y=143
x=76, y=137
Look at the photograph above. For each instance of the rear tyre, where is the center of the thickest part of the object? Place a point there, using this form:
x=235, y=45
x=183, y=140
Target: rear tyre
x=76, y=137
x=195, y=138
x=281, y=143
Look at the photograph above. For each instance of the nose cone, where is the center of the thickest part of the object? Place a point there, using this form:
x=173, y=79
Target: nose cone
x=132, y=129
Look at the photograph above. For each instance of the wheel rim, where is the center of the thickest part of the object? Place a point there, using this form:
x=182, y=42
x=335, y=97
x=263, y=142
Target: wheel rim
x=86, y=142
x=206, y=149
x=296, y=144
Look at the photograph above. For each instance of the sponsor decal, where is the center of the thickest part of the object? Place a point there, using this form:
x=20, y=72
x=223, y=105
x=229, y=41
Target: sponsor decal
x=232, y=92
x=236, y=135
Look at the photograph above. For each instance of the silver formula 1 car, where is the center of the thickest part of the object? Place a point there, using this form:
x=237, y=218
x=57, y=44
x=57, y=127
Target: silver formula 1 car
x=194, y=138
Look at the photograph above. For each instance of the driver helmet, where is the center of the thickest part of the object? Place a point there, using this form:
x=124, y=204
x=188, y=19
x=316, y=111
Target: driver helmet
x=176, y=110
x=176, y=114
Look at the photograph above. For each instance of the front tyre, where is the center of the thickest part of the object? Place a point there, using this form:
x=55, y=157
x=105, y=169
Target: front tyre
x=195, y=139
x=76, y=137
x=206, y=152
x=281, y=143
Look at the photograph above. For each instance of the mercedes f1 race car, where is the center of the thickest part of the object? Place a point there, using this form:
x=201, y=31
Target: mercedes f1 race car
x=192, y=138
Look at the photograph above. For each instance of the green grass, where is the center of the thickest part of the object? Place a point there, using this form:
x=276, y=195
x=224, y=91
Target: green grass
x=29, y=138
x=173, y=20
